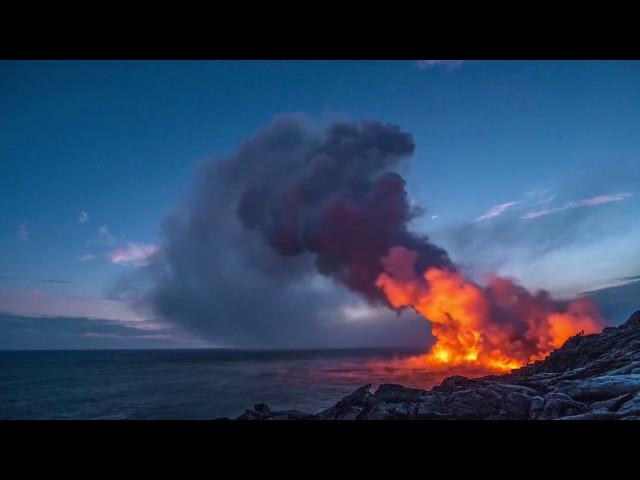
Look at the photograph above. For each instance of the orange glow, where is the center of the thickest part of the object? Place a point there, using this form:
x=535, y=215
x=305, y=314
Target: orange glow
x=488, y=329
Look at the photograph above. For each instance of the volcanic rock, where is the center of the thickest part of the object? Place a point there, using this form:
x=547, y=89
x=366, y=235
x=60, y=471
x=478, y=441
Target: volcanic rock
x=591, y=377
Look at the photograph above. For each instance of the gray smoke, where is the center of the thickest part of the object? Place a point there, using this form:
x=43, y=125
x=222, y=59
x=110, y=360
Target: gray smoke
x=240, y=261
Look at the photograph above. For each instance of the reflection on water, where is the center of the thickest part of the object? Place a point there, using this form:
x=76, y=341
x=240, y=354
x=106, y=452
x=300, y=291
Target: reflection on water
x=189, y=384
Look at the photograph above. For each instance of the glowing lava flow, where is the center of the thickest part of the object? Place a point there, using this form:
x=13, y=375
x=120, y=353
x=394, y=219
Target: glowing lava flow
x=481, y=330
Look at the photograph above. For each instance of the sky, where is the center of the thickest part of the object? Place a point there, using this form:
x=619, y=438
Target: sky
x=526, y=168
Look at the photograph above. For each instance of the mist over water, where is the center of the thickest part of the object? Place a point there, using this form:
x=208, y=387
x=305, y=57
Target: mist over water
x=188, y=384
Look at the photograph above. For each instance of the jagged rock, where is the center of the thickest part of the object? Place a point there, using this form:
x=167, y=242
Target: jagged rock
x=262, y=408
x=351, y=406
x=630, y=404
x=390, y=392
x=431, y=406
x=406, y=410
x=378, y=413
x=516, y=405
x=474, y=403
x=593, y=416
x=251, y=415
x=611, y=405
x=558, y=405
x=361, y=397
x=591, y=377
x=261, y=411
x=536, y=407
x=600, y=388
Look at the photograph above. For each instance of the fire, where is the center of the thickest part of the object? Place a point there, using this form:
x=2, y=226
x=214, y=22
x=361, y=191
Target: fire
x=482, y=329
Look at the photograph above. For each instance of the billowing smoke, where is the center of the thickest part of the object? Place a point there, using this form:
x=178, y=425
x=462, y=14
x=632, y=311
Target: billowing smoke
x=331, y=196
x=240, y=260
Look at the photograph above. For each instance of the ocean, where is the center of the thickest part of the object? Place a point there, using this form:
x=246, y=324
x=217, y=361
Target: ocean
x=186, y=384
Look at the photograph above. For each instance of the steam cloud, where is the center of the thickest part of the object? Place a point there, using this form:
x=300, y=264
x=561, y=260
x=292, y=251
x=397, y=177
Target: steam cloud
x=333, y=199
x=240, y=260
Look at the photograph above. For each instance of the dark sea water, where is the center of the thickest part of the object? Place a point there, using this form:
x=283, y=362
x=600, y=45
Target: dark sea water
x=185, y=384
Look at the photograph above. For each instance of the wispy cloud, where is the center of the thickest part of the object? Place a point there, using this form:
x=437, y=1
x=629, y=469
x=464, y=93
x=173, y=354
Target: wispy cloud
x=587, y=202
x=496, y=211
x=83, y=217
x=450, y=64
x=37, y=304
x=435, y=217
x=23, y=233
x=133, y=253
x=33, y=279
x=105, y=235
x=87, y=257
x=539, y=196
x=128, y=336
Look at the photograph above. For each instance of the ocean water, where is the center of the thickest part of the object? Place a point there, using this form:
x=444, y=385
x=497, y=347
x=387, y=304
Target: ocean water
x=186, y=384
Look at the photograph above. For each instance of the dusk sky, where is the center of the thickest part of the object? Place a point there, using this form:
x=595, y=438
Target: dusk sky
x=529, y=169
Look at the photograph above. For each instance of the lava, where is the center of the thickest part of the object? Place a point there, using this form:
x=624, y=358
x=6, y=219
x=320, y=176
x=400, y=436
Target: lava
x=482, y=329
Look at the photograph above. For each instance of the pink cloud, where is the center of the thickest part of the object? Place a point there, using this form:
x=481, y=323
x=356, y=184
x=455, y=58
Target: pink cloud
x=496, y=211
x=134, y=253
x=587, y=202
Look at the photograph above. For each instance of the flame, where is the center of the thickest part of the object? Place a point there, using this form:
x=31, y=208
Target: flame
x=482, y=329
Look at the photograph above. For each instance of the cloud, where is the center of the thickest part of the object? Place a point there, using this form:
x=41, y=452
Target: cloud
x=278, y=238
x=19, y=332
x=539, y=196
x=87, y=257
x=23, y=233
x=134, y=253
x=435, y=217
x=588, y=202
x=618, y=302
x=496, y=211
x=105, y=236
x=84, y=217
x=34, y=279
x=450, y=64
x=37, y=304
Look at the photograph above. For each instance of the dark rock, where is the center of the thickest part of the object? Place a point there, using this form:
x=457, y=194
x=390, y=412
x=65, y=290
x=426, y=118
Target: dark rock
x=536, y=408
x=361, y=397
x=600, y=388
x=378, y=413
x=431, y=406
x=262, y=408
x=474, y=403
x=516, y=405
x=392, y=393
x=406, y=410
x=558, y=405
x=611, y=405
x=251, y=415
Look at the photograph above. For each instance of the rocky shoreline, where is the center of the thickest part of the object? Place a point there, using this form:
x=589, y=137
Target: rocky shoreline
x=591, y=377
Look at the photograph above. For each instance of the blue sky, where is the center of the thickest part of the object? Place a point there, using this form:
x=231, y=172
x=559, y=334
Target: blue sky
x=120, y=141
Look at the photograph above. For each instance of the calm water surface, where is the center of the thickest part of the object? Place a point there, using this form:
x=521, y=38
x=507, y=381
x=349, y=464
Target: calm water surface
x=185, y=384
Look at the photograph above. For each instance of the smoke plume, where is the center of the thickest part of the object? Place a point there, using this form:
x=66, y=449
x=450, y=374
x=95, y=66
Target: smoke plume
x=241, y=259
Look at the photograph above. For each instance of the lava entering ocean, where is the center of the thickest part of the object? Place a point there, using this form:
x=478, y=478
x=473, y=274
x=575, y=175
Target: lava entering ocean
x=482, y=330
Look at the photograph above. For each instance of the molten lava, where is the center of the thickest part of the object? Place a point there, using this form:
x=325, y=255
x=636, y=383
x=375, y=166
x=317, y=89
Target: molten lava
x=482, y=329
